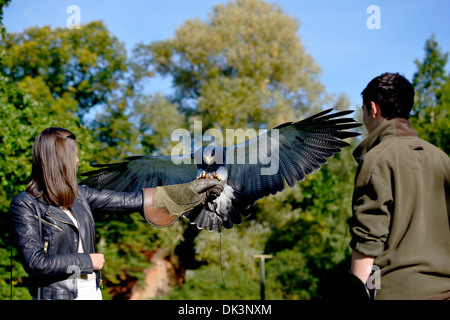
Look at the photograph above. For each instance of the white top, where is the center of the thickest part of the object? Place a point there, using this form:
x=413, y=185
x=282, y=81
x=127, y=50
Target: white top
x=75, y=222
x=80, y=244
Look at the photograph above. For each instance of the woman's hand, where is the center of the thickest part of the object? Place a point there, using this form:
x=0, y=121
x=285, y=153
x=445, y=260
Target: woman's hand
x=98, y=260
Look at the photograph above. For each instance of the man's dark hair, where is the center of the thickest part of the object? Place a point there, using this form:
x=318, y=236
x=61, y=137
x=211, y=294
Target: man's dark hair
x=393, y=93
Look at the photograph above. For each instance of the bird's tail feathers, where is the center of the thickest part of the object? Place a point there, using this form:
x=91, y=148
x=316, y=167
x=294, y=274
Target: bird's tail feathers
x=223, y=212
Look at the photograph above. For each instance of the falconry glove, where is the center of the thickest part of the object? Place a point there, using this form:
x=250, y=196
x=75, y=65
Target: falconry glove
x=163, y=205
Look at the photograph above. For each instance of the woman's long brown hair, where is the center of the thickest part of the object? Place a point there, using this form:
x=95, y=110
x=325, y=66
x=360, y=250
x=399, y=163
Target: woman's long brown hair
x=54, y=170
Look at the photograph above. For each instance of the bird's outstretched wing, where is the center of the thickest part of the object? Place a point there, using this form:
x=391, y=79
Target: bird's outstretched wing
x=288, y=152
x=261, y=166
x=255, y=168
x=139, y=172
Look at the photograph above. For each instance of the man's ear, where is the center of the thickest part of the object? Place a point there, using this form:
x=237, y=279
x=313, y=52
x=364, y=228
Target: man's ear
x=374, y=110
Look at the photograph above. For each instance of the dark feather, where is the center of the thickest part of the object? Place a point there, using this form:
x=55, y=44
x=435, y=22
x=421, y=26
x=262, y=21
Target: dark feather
x=139, y=172
x=304, y=146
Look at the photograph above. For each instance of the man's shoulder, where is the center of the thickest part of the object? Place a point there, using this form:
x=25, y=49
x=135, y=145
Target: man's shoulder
x=404, y=149
x=384, y=149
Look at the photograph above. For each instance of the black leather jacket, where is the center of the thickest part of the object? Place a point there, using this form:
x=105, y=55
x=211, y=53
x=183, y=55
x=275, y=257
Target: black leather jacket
x=52, y=259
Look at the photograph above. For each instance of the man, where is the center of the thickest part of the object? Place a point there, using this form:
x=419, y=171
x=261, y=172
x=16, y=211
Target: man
x=401, y=200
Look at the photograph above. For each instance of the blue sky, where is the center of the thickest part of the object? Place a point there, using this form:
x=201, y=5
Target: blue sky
x=333, y=32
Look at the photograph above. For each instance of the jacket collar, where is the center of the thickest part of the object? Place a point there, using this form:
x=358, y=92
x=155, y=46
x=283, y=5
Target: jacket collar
x=398, y=127
x=61, y=215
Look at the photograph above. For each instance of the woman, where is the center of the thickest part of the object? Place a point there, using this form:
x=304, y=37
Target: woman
x=53, y=220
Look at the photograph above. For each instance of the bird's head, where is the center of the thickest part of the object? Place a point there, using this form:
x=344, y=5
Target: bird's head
x=209, y=156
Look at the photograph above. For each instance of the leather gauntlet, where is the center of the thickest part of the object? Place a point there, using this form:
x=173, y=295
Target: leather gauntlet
x=157, y=217
x=163, y=205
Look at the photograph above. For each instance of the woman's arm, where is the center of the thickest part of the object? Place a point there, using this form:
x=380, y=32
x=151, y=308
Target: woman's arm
x=160, y=206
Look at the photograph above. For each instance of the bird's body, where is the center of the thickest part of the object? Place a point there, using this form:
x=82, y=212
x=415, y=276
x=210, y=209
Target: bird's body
x=247, y=169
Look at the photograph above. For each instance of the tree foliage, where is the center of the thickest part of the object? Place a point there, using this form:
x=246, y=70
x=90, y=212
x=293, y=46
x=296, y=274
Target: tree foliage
x=431, y=110
x=87, y=64
x=242, y=67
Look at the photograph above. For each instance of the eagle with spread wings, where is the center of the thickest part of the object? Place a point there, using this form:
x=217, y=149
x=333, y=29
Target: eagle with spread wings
x=247, y=169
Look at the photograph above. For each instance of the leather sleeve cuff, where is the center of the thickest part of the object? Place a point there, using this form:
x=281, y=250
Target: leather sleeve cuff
x=157, y=217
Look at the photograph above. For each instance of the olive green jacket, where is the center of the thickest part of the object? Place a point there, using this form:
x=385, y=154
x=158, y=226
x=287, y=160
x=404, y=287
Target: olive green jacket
x=401, y=211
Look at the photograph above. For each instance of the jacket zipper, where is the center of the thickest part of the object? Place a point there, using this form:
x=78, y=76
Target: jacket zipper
x=68, y=223
x=79, y=237
x=90, y=229
x=51, y=224
x=71, y=224
x=93, y=248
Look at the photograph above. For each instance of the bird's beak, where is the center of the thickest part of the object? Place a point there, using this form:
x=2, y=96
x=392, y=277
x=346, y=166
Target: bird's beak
x=208, y=159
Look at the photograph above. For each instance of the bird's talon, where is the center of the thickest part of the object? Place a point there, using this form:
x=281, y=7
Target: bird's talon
x=209, y=175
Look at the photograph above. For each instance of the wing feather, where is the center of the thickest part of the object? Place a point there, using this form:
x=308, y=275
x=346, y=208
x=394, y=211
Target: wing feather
x=139, y=172
x=304, y=147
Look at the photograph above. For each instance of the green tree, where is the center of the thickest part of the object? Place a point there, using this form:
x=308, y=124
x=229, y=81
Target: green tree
x=431, y=110
x=87, y=63
x=113, y=128
x=3, y=4
x=309, y=229
x=157, y=118
x=243, y=67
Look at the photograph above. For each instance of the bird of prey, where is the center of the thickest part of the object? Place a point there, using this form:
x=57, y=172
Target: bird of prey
x=246, y=169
